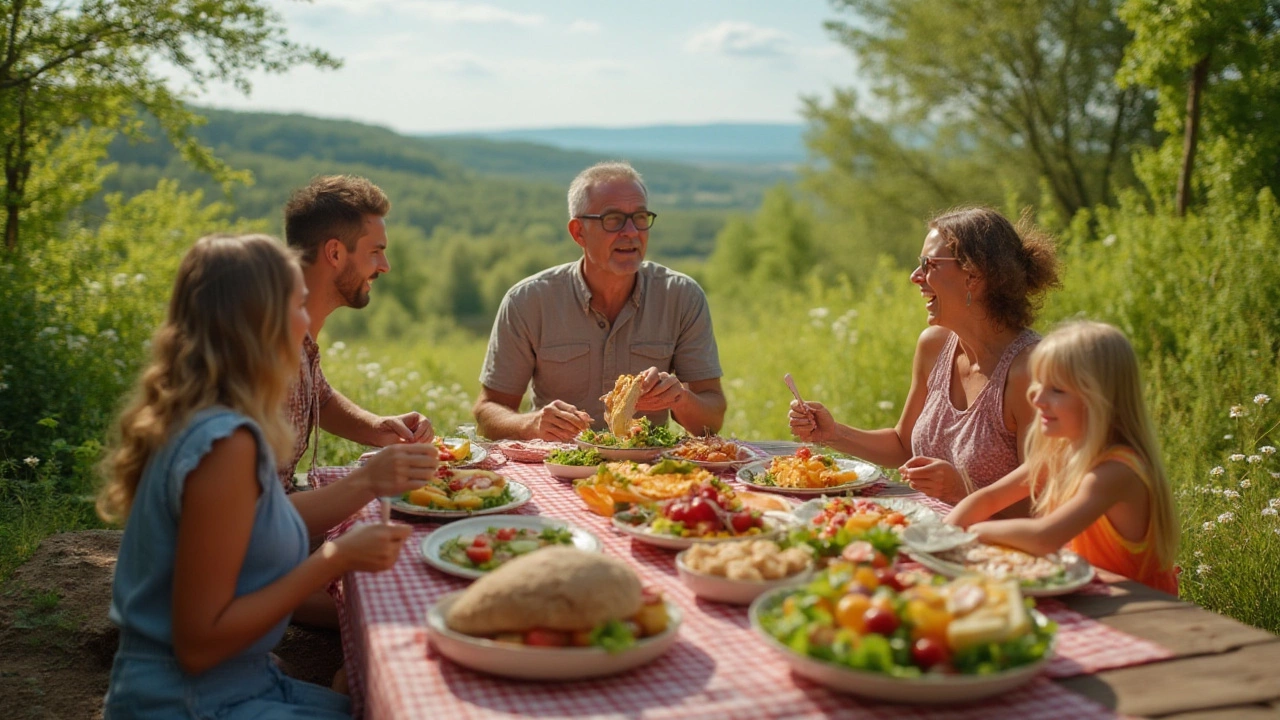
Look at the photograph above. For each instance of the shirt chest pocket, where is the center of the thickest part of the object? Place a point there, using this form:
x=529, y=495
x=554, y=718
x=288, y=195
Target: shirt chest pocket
x=645, y=355
x=562, y=371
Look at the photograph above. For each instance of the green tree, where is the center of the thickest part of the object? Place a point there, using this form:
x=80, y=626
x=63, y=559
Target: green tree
x=99, y=63
x=1028, y=83
x=1216, y=60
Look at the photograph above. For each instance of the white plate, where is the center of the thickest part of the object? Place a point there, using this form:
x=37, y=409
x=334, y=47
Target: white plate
x=914, y=512
x=868, y=474
x=570, y=472
x=929, y=689
x=520, y=494
x=433, y=542
x=1079, y=573
x=745, y=455
x=774, y=524
x=536, y=663
x=643, y=455
x=733, y=592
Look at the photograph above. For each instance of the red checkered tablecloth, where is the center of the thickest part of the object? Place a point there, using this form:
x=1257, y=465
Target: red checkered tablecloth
x=718, y=668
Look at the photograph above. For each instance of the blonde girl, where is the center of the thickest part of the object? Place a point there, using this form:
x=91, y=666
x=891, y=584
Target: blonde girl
x=214, y=557
x=1093, y=468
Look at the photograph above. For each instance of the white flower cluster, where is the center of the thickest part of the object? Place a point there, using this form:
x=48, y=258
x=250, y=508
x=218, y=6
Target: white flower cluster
x=1261, y=399
x=1226, y=517
x=885, y=405
x=1217, y=471
x=1237, y=411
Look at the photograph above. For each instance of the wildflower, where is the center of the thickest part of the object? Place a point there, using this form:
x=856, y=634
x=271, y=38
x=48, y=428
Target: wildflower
x=1237, y=411
x=1228, y=436
x=1275, y=475
x=1230, y=494
x=413, y=376
x=1267, y=450
x=120, y=280
x=1245, y=484
x=1109, y=240
x=32, y=461
x=1208, y=526
x=95, y=287
x=109, y=334
x=885, y=405
x=4, y=386
x=1237, y=457
x=1219, y=470
x=1270, y=512
x=339, y=345
x=1274, y=502
x=1261, y=399
x=139, y=278
x=1203, y=569
x=1254, y=459
x=48, y=331
x=1226, y=517
x=1198, y=553
x=819, y=313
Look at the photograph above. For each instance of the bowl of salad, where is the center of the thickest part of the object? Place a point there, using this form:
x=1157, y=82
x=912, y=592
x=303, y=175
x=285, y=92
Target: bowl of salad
x=904, y=638
x=573, y=464
x=471, y=548
x=709, y=511
x=643, y=443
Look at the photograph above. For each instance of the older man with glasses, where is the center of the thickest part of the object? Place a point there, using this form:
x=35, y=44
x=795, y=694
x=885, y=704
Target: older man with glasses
x=571, y=330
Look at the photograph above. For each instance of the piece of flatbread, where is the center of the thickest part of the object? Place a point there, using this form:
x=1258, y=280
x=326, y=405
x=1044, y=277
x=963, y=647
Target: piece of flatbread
x=620, y=404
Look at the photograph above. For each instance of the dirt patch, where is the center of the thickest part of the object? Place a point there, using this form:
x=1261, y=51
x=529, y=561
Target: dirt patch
x=57, y=642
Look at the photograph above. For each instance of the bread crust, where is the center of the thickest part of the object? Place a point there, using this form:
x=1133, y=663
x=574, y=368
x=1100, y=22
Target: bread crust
x=620, y=404
x=556, y=588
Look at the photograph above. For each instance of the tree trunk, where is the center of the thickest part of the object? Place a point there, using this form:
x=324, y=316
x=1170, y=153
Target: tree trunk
x=1195, y=88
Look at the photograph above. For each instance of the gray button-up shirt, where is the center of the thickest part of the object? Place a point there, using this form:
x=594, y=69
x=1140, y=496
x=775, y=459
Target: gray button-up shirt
x=546, y=332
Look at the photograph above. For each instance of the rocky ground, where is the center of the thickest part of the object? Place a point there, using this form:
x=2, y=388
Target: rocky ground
x=56, y=642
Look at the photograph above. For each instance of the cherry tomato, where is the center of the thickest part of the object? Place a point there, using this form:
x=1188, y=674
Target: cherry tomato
x=444, y=455
x=546, y=638
x=480, y=541
x=889, y=577
x=880, y=621
x=879, y=560
x=479, y=554
x=457, y=484
x=701, y=511
x=677, y=512
x=804, y=453
x=505, y=534
x=742, y=521
x=927, y=652
x=709, y=492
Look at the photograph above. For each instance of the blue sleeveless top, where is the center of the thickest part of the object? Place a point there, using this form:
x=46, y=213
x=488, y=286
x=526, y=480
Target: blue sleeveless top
x=142, y=592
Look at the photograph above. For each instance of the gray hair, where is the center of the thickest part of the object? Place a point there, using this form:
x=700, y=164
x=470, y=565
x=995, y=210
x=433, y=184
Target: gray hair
x=601, y=172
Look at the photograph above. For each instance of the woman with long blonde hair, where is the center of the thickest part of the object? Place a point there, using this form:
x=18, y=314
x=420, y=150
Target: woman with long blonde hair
x=1093, y=468
x=214, y=557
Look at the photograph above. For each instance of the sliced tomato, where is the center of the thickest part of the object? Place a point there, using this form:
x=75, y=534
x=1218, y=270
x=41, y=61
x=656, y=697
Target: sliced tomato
x=479, y=554
x=804, y=453
x=546, y=638
x=505, y=534
x=480, y=541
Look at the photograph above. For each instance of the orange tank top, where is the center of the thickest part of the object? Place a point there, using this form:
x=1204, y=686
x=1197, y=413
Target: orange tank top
x=1105, y=548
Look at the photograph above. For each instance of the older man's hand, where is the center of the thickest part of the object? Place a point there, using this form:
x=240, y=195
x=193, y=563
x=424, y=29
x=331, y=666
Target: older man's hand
x=558, y=420
x=659, y=391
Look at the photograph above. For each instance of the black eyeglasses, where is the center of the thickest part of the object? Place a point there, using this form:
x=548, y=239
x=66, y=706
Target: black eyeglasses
x=615, y=221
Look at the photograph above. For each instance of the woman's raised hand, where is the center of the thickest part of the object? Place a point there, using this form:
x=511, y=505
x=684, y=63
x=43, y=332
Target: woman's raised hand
x=811, y=421
x=397, y=469
x=369, y=548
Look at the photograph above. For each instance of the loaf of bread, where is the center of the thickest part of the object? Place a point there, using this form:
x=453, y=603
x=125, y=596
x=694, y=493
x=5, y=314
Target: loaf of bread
x=556, y=588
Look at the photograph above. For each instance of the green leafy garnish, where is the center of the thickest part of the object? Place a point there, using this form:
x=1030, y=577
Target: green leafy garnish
x=579, y=458
x=614, y=636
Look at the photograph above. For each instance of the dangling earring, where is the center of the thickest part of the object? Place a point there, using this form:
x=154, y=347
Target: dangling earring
x=968, y=298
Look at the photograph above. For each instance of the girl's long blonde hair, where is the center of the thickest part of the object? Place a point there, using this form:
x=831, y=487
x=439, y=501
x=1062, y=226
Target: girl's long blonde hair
x=226, y=341
x=1096, y=361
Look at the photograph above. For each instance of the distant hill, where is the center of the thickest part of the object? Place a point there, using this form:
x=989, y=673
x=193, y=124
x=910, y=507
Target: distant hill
x=777, y=144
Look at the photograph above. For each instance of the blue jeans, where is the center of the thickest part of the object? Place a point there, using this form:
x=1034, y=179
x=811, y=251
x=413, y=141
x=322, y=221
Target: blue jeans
x=147, y=682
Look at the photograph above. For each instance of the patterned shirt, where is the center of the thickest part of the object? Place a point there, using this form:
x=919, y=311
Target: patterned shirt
x=309, y=394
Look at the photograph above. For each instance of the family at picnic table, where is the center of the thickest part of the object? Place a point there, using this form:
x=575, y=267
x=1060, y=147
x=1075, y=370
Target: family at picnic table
x=1039, y=443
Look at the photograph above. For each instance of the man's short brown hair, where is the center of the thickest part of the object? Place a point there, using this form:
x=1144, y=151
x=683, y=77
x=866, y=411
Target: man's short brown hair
x=331, y=206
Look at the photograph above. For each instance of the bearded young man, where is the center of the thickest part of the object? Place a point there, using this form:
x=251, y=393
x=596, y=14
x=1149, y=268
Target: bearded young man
x=570, y=331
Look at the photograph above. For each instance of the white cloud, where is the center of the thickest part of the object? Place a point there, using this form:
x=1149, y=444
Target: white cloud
x=733, y=37
x=584, y=27
x=443, y=11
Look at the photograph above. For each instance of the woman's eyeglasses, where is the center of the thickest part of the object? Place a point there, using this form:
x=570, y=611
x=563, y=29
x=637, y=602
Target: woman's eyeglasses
x=928, y=263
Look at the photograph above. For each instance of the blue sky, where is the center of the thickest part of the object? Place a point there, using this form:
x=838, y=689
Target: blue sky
x=455, y=65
